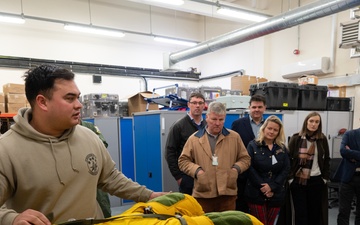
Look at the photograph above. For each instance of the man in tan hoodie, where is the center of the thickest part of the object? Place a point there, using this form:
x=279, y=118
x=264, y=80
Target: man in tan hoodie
x=50, y=166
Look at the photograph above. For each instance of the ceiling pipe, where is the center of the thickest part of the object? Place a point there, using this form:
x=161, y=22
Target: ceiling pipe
x=289, y=19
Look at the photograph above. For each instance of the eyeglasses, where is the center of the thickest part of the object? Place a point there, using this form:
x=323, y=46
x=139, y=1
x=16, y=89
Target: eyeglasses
x=197, y=103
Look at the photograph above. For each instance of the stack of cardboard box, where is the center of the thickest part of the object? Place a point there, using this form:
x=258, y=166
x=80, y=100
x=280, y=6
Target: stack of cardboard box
x=2, y=103
x=242, y=83
x=14, y=97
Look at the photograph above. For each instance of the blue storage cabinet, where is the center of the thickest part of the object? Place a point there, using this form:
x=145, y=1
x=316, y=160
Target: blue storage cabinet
x=150, y=133
x=127, y=158
x=148, y=151
x=231, y=117
x=90, y=120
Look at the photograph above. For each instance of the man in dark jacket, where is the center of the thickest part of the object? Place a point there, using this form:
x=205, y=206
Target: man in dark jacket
x=248, y=127
x=349, y=172
x=177, y=137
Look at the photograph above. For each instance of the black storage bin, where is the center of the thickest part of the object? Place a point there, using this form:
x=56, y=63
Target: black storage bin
x=338, y=104
x=312, y=97
x=278, y=95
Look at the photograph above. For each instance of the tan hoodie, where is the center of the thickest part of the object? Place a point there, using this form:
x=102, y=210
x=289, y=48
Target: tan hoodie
x=58, y=175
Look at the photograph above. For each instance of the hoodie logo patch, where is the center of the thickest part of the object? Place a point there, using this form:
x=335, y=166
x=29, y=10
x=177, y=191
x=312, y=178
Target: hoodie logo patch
x=91, y=162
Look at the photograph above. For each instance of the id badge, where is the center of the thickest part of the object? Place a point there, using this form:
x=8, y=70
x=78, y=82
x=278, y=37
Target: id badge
x=274, y=161
x=215, y=160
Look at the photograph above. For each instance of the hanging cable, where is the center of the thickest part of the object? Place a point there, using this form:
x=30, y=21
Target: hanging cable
x=90, y=12
x=150, y=19
x=22, y=9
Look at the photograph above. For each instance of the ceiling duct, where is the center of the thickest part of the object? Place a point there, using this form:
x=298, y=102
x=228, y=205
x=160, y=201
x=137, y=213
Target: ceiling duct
x=289, y=19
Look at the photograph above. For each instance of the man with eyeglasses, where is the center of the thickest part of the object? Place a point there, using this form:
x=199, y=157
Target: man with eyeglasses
x=177, y=137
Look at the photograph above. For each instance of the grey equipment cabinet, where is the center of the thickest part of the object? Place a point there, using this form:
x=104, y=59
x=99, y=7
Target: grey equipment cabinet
x=336, y=142
x=117, y=132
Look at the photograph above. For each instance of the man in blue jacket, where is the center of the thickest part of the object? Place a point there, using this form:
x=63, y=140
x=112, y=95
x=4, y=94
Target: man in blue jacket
x=248, y=128
x=349, y=172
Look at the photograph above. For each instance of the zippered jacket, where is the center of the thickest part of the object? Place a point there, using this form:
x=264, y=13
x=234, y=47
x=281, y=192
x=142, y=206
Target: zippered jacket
x=218, y=179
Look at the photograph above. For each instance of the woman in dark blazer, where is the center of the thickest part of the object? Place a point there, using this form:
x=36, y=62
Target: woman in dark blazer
x=310, y=168
x=265, y=188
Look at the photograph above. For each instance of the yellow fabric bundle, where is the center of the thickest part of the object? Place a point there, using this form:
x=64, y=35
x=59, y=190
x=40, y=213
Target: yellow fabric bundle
x=172, y=209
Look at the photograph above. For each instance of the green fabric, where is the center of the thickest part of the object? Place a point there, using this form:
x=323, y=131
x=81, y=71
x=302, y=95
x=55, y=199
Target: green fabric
x=96, y=131
x=104, y=202
x=169, y=200
x=229, y=218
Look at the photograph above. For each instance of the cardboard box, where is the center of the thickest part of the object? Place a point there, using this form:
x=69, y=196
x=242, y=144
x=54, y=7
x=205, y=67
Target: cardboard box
x=14, y=88
x=336, y=91
x=308, y=80
x=242, y=83
x=15, y=98
x=2, y=107
x=14, y=107
x=2, y=98
x=136, y=103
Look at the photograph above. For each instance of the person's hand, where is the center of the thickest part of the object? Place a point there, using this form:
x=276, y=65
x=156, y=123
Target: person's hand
x=200, y=172
x=157, y=194
x=31, y=217
x=269, y=194
x=348, y=148
x=265, y=188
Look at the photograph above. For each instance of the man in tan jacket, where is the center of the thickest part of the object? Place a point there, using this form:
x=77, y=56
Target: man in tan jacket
x=215, y=156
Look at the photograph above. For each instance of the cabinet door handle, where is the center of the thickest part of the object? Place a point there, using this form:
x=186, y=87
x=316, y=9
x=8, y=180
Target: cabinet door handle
x=150, y=174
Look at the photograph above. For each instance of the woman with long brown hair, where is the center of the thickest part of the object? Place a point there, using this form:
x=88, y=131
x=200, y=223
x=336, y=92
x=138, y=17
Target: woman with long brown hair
x=309, y=156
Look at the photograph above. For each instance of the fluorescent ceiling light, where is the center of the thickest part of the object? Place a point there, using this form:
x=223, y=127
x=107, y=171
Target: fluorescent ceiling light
x=170, y=2
x=11, y=19
x=94, y=30
x=241, y=14
x=175, y=41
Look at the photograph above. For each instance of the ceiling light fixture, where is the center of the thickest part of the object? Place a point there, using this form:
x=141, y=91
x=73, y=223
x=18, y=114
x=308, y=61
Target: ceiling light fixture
x=244, y=15
x=175, y=41
x=94, y=30
x=170, y=2
x=12, y=18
